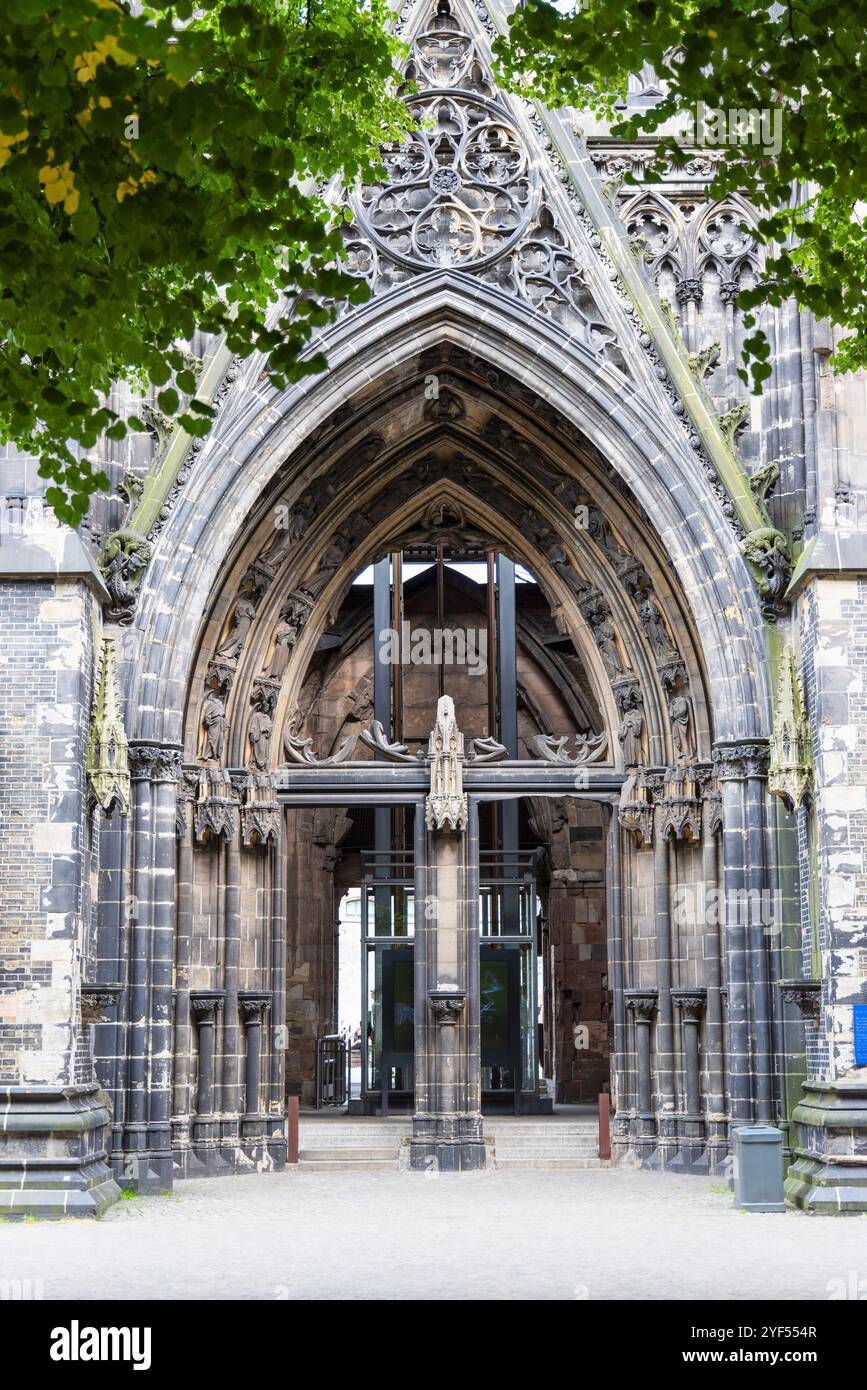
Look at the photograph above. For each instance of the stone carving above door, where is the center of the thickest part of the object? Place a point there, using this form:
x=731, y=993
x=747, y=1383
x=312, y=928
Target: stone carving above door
x=459, y=191
x=464, y=193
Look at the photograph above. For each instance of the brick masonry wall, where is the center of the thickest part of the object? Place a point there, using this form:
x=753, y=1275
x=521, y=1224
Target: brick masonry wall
x=833, y=628
x=46, y=663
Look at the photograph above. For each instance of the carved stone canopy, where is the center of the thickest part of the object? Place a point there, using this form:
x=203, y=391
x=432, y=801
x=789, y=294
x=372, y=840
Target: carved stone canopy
x=107, y=746
x=635, y=811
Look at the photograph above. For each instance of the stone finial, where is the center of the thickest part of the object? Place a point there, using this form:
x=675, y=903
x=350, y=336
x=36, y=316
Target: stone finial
x=446, y=805
x=107, y=746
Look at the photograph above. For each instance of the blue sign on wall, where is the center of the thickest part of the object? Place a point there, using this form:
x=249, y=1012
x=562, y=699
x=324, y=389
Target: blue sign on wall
x=860, y=1020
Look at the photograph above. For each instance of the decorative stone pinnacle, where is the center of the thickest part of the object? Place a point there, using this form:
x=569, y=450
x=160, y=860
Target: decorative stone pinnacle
x=107, y=746
x=446, y=805
x=791, y=751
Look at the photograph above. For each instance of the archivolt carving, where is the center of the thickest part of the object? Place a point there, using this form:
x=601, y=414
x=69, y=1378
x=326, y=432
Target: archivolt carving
x=442, y=485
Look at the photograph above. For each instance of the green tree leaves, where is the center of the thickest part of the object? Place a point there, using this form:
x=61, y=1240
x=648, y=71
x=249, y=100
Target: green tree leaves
x=158, y=176
x=801, y=64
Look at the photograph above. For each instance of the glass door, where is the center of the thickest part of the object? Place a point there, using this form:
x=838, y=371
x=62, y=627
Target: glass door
x=387, y=927
x=507, y=977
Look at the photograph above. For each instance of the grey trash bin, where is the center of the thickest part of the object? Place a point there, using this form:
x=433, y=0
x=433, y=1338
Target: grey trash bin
x=758, y=1172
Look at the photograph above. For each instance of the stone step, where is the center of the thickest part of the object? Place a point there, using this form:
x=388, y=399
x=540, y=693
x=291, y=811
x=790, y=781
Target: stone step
x=548, y=1144
x=588, y=1131
x=575, y=1141
x=361, y=1152
x=353, y=1165
x=553, y=1163
x=372, y=1136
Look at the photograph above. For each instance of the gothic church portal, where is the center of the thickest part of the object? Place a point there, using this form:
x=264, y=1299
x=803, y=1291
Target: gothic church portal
x=610, y=841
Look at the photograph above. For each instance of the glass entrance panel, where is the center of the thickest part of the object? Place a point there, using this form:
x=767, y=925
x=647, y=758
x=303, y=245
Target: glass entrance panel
x=507, y=970
x=390, y=1017
x=387, y=929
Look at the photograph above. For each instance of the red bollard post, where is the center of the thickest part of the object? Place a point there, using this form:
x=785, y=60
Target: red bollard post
x=604, y=1125
x=292, y=1104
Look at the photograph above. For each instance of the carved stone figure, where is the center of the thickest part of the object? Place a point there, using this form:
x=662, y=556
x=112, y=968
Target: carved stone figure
x=244, y=613
x=679, y=714
x=292, y=619
x=654, y=628
x=290, y=528
x=603, y=632
x=768, y=550
x=216, y=727
x=629, y=734
x=123, y=562
x=261, y=726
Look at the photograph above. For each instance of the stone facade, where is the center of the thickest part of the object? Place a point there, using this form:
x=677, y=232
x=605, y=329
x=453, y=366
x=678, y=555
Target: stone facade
x=670, y=717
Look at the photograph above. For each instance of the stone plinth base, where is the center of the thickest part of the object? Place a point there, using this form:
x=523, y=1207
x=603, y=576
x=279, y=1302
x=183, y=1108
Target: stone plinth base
x=448, y=1144
x=53, y=1152
x=829, y=1144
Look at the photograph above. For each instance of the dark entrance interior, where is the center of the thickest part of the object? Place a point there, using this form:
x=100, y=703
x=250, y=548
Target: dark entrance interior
x=467, y=621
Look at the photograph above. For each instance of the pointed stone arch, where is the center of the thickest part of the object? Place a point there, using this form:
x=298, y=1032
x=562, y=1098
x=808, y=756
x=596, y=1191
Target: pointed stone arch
x=267, y=448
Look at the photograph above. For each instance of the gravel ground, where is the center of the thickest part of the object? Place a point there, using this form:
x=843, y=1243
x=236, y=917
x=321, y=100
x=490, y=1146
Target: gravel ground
x=597, y=1234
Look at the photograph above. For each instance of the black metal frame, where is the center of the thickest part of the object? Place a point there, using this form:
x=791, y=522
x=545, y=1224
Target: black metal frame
x=332, y=1071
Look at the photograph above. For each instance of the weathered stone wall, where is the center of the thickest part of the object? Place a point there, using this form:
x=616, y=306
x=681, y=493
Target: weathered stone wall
x=46, y=652
x=833, y=634
x=578, y=953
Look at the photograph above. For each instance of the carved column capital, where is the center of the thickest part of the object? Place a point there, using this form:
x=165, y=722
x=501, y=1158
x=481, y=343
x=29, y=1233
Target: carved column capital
x=735, y=762
x=807, y=994
x=690, y=290
x=205, y=1003
x=643, y=1003
x=98, y=1000
x=691, y=1003
x=447, y=1005
x=729, y=291
x=151, y=763
x=253, y=1004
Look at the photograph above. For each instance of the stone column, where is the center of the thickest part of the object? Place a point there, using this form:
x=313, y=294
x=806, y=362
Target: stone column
x=181, y=1119
x=644, y=1003
x=616, y=966
x=691, y=1003
x=253, y=1006
x=205, y=1005
x=738, y=768
x=447, y=1124
x=277, y=1080
x=147, y=1162
x=665, y=1026
x=230, y=1097
x=716, y=1118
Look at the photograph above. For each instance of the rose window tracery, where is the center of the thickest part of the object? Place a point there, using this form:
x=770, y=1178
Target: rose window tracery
x=460, y=190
